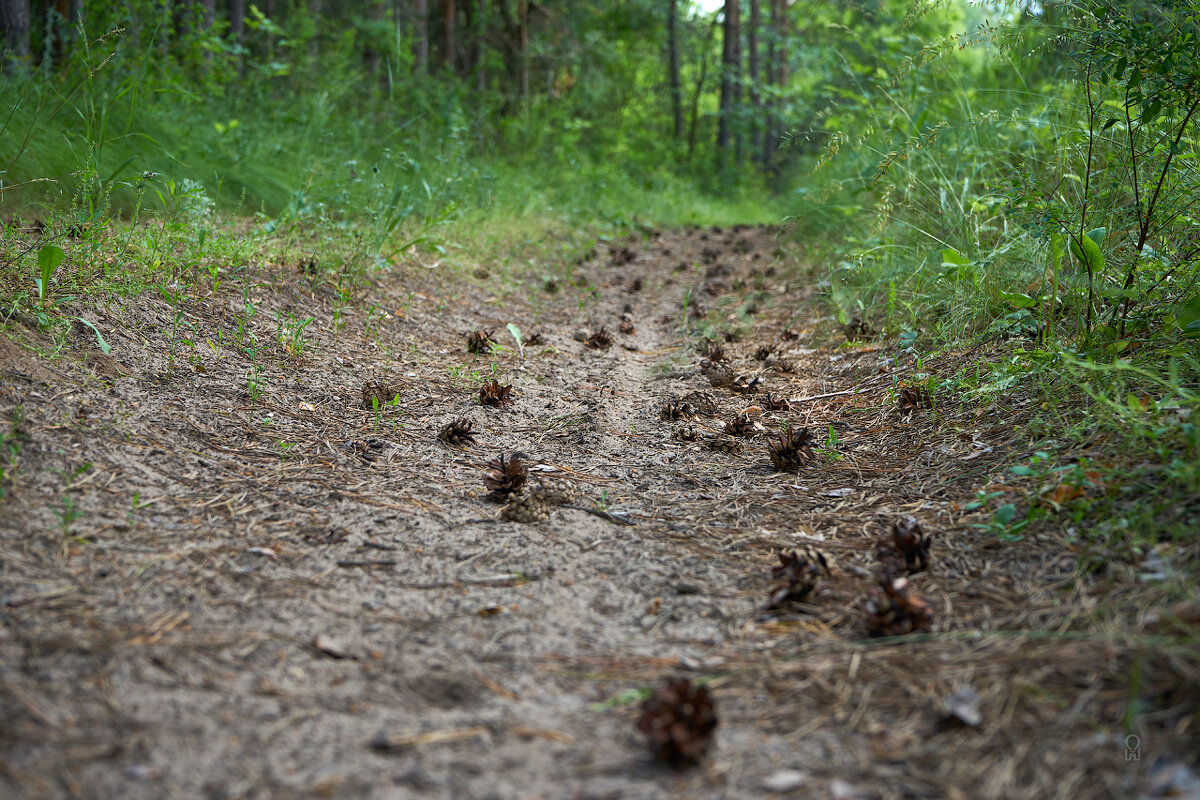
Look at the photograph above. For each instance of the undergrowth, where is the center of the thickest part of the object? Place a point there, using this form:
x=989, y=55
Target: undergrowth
x=1029, y=184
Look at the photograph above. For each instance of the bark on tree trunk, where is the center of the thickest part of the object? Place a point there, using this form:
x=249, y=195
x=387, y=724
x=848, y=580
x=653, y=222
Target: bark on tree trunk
x=695, y=104
x=314, y=47
x=673, y=67
x=756, y=128
x=476, y=27
x=371, y=56
x=420, y=36
x=523, y=9
x=776, y=54
x=237, y=21
x=14, y=16
x=729, y=76
x=448, y=43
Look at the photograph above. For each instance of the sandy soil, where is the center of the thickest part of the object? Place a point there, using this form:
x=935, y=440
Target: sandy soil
x=224, y=577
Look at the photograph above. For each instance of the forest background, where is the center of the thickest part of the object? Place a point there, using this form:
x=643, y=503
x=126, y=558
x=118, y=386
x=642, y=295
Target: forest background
x=959, y=173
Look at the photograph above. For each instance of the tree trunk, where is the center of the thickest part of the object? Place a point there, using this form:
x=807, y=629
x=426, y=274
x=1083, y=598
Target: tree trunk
x=420, y=36
x=371, y=56
x=477, y=28
x=237, y=21
x=695, y=104
x=523, y=10
x=776, y=76
x=756, y=126
x=673, y=67
x=314, y=9
x=448, y=43
x=729, y=76
x=14, y=16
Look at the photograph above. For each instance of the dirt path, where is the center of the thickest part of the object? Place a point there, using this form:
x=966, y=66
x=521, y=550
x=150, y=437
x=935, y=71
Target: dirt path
x=235, y=581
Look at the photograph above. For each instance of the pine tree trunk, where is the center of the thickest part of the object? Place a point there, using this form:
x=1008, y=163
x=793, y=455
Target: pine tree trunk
x=14, y=16
x=314, y=8
x=729, y=75
x=420, y=36
x=371, y=56
x=753, y=70
x=700, y=79
x=237, y=21
x=523, y=7
x=448, y=43
x=474, y=11
x=775, y=77
x=673, y=67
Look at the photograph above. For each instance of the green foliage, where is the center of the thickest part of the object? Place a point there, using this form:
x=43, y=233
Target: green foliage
x=1028, y=178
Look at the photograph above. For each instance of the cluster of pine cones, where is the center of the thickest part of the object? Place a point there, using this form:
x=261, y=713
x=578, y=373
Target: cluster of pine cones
x=892, y=607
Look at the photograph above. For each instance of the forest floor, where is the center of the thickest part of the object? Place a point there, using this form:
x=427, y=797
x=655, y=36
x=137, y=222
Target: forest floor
x=225, y=575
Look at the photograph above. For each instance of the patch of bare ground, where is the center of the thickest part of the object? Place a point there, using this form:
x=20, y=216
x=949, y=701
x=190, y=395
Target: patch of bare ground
x=253, y=569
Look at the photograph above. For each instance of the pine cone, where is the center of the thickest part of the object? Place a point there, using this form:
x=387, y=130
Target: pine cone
x=686, y=434
x=719, y=375
x=619, y=257
x=679, y=721
x=627, y=327
x=798, y=574
x=480, y=341
x=676, y=409
x=526, y=508
x=893, y=609
x=507, y=478
x=600, y=339
x=744, y=385
x=740, y=425
x=788, y=335
x=534, y=339
x=790, y=449
x=773, y=402
x=859, y=329
x=762, y=353
x=458, y=433
x=553, y=491
x=908, y=551
x=713, y=351
x=785, y=366
x=377, y=393
x=493, y=394
x=703, y=402
x=912, y=397
x=723, y=444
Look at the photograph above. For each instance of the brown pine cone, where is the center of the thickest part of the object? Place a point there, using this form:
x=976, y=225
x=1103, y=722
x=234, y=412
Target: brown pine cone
x=723, y=444
x=720, y=375
x=554, y=491
x=526, y=508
